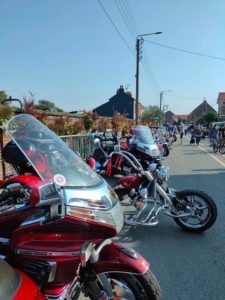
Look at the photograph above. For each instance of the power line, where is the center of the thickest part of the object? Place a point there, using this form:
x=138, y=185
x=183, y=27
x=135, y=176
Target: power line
x=129, y=12
x=125, y=18
x=115, y=27
x=130, y=23
x=186, y=51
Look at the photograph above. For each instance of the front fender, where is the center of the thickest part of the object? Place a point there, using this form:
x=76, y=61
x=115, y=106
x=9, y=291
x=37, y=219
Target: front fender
x=118, y=258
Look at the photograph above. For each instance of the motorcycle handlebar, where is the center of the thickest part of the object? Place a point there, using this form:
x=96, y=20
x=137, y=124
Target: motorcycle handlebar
x=11, y=100
x=138, y=167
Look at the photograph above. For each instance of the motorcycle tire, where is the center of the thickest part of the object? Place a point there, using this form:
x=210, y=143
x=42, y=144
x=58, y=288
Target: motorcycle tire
x=201, y=202
x=174, y=138
x=166, y=150
x=135, y=287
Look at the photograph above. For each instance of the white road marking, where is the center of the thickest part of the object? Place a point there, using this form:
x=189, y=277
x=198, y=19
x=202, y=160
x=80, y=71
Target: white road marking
x=211, y=155
x=214, y=157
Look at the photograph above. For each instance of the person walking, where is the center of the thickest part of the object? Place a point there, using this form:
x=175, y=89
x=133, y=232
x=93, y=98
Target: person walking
x=210, y=134
x=214, y=133
x=181, y=132
x=198, y=134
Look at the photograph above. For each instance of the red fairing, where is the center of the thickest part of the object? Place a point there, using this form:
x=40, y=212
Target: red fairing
x=25, y=179
x=27, y=290
x=118, y=258
x=128, y=182
x=35, y=194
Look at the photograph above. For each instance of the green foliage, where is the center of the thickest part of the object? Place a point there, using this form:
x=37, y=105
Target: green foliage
x=48, y=105
x=207, y=118
x=88, y=121
x=3, y=95
x=5, y=113
x=180, y=120
x=152, y=113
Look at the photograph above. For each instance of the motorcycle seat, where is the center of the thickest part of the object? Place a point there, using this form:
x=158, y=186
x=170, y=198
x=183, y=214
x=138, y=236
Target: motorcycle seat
x=100, y=156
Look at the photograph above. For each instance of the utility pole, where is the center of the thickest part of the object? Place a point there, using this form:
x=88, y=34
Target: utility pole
x=139, y=41
x=137, y=82
x=161, y=99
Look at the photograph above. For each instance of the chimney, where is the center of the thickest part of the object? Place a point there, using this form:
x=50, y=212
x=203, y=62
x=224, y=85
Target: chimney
x=121, y=89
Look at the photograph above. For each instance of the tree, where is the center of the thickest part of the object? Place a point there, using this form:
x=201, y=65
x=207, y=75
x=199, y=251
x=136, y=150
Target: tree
x=207, y=118
x=5, y=113
x=152, y=113
x=180, y=120
x=3, y=95
x=45, y=105
x=88, y=121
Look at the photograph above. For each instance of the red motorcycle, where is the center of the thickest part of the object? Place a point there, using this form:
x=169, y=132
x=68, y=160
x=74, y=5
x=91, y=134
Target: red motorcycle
x=57, y=217
x=15, y=285
x=147, y=194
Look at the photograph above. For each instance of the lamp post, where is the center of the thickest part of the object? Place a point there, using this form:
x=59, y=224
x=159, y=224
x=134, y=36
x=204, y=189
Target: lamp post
x=138, y=42
x=161, y=98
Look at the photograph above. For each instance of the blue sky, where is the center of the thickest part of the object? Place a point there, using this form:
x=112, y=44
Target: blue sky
x=68, y=51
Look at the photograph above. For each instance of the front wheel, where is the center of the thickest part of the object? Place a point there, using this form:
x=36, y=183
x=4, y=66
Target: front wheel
x=166, y=150
x=174, y=138
x=222, y=149
x=199, y=208
x=135, y=287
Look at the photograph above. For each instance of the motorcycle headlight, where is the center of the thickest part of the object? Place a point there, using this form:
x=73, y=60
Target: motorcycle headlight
x=152, y=166
x=164, y=173
x=106, y=209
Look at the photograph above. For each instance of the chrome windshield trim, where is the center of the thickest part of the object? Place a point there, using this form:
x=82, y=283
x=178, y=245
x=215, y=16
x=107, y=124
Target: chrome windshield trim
x=47, y=253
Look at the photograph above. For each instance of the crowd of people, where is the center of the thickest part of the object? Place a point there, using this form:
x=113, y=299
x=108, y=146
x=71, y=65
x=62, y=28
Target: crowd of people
x=215, y=133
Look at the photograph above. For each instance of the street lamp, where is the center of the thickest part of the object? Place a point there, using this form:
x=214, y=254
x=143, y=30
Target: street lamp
x=161, y=98
x=139, y=38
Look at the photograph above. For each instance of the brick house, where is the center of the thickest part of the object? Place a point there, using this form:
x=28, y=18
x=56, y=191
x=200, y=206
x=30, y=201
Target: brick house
x=170, y=117
x=204, y=107
x=221, y=106
x=122, y=102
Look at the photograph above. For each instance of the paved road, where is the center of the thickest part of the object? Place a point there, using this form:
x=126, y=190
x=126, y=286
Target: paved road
x=188, y=266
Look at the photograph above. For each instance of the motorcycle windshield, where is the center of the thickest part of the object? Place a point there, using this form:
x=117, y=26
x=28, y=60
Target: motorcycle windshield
x=50, y=157
x=143, y=134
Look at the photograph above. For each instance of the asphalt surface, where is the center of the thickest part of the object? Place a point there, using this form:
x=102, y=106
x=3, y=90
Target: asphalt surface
x=187, y=265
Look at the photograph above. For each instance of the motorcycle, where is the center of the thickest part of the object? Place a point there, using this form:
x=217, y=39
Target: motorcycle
x=15, y=285
x=163, y=146
x=102, y=160
x=53, y=207
x=143, y=146
x=149, y=195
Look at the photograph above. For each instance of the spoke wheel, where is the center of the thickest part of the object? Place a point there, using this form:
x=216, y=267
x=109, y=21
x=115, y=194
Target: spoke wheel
x=200, y=207
x=222, y=149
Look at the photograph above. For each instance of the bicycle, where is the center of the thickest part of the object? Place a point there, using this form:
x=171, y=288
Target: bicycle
x=219, y=146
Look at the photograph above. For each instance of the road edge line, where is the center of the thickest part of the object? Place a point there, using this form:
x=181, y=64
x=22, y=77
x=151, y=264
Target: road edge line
x=212, y=156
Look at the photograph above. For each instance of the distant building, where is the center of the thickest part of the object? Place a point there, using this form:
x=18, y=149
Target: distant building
x=180, y=117
x=122, y=102
x=204, y=107
x=170, y=117
x=221, y=106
